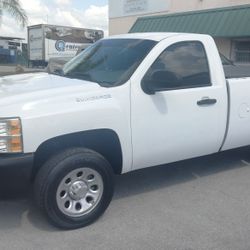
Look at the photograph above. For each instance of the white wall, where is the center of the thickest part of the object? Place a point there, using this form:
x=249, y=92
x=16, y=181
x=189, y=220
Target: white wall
x=119, y=22
x=125, y=8
x=224, y=46
x=181, y=5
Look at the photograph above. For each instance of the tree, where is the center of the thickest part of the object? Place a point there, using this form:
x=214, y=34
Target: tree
x=14, y=8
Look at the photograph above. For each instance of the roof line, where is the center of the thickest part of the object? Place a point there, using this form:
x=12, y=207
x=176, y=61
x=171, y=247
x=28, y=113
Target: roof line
x=11, y=38
x=61, y=26
x=187, y=13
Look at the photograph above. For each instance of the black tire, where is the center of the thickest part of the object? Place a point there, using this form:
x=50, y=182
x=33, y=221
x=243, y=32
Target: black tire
x=53, y=172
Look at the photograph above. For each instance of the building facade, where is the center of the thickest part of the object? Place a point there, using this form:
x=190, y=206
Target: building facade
x=125, y=15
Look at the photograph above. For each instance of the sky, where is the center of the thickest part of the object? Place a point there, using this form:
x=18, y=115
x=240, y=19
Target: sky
x=76, y=13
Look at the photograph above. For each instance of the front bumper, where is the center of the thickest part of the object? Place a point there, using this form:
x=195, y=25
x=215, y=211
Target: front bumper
x=15, y=170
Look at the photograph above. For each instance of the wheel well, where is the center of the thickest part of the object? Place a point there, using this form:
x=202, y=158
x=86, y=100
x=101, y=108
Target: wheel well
x=103, y=141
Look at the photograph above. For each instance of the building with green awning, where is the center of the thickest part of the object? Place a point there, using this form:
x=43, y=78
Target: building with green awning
x=229, y=26
x=228, y=21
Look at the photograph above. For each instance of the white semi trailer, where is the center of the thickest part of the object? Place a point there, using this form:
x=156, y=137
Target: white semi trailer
x=52, y=41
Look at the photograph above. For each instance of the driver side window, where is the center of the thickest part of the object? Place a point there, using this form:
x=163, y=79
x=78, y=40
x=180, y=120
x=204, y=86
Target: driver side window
x=181, y=65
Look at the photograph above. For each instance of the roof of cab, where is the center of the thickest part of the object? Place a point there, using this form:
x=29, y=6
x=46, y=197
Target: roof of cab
x=154, y=36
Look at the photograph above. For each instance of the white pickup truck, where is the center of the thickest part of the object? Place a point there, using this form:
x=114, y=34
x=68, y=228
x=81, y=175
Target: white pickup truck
x=125, y=103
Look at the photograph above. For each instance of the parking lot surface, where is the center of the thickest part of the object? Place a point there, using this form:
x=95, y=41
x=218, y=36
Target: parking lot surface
x=196, y=204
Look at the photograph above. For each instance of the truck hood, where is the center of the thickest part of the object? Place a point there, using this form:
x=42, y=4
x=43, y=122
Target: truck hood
x=25, y=84
x=37, y=90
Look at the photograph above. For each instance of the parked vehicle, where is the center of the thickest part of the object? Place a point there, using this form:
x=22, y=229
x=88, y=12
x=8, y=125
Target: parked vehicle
x=127, y=102
x=51, y=41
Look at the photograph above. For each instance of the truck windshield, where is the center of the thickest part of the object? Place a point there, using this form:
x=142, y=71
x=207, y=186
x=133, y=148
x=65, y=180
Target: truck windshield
x=109, y=62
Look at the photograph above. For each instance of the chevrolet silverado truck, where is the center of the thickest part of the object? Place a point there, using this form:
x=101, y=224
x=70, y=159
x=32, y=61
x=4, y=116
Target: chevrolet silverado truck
x=125, y=103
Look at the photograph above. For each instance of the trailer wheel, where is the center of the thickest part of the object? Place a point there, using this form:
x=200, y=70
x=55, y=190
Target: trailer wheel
x=74, y=188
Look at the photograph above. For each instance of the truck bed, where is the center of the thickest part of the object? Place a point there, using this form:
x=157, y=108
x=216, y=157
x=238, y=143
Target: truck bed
x=236, y=71
x=238, y=132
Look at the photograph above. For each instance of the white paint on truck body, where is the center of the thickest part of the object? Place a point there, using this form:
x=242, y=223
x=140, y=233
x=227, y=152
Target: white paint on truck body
x=153, y=129
x=49, y=106
x=169, y=126
x=239, y=116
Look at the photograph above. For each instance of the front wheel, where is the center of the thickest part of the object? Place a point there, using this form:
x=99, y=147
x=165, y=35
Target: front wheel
x=74, y=187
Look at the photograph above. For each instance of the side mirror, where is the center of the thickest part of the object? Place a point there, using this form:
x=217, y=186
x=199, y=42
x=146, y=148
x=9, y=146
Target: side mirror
x=159, y=81
x=147, y=86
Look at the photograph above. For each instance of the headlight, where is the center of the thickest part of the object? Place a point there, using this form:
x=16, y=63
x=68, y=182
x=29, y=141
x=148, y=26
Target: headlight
x=11, y=135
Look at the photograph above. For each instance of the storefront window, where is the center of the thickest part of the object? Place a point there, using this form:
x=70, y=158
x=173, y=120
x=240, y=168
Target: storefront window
x=242, y=51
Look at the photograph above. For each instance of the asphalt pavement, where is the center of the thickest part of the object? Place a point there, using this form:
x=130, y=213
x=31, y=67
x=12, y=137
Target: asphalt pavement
x=192, y=205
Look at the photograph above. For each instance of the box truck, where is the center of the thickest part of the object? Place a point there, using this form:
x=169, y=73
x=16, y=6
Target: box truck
x=52, y=41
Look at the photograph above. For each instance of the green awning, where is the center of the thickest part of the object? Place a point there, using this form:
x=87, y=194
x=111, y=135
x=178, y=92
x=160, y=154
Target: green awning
x=223, y=22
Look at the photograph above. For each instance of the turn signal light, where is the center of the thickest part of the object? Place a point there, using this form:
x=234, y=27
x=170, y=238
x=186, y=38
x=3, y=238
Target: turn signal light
x=11, y=135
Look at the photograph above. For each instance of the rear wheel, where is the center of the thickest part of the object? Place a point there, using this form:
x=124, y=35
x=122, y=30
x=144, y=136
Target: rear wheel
x=74, y=187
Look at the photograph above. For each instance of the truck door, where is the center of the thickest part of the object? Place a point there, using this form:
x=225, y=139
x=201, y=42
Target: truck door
x=177, y=111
